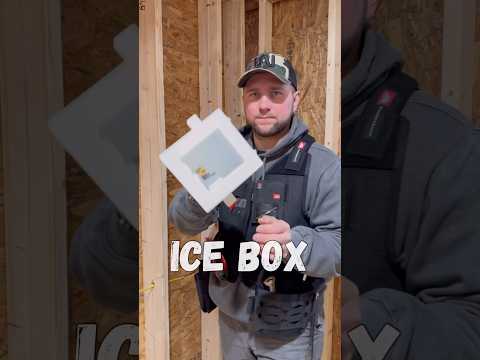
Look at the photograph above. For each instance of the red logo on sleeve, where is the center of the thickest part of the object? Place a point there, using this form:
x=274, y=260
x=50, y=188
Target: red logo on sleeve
x=387, y=98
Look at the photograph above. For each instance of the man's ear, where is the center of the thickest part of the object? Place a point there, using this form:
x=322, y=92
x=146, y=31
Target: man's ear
x=372, y=6
x=296, y=100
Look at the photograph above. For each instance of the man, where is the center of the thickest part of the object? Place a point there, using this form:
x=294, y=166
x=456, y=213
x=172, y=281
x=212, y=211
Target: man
x=411, y=190
x=299, y=186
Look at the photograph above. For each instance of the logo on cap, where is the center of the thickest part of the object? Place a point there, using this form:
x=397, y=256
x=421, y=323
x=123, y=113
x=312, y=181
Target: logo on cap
x=264, y=60
x=272, y=63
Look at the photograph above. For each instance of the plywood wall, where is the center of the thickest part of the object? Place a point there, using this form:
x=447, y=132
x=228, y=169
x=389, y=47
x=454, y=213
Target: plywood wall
x=300, y=32
x=88, y=30
x=476, y=73
x=415, y=27
x=251, y=29
x=180, y=54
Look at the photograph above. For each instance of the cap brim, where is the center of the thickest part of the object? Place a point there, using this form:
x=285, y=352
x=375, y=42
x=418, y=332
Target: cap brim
x=248, y=74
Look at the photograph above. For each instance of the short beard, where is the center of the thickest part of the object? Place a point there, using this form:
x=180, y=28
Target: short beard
x=279, y=128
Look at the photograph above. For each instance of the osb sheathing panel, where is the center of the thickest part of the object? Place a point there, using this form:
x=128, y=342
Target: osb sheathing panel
x=251, y=33
x=300, y=32
x=185, y=335
x=180, y=52
x=88, y=30
x=476, y=72
x=415, y=28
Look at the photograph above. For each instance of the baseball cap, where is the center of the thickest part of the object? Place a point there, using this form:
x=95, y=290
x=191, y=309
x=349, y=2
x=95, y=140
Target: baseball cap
x=272, y=63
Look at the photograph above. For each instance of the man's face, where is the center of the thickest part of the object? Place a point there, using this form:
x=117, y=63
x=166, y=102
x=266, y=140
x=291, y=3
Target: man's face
x=269, y=104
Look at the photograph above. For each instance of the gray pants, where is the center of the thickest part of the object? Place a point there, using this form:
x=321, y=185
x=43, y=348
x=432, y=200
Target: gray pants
x=238, y=343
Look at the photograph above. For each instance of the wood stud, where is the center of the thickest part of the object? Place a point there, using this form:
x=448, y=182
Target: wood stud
x=154, y=306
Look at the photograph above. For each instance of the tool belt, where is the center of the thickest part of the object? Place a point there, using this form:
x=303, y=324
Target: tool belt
x=283, y=316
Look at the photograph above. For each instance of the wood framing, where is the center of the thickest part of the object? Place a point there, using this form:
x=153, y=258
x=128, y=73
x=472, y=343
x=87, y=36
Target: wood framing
x=332, y=297
x=265, y=25
x=233, y=43
x=211, y=98
x=154, y=306
x=458, y=54
x=333, y=105
x=234, y=57
x=210, y=55
x=218, y=74
x=31, y=87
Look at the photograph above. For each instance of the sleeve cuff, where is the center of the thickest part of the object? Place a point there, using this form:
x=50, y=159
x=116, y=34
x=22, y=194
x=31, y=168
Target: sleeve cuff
x=297, y=238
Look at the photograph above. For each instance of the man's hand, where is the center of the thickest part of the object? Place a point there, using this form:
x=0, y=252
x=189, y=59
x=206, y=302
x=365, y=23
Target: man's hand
x=210, y=233
x=271, y=228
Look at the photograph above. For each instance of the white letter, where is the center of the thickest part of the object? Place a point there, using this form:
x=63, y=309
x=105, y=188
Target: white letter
x=111, y=345
x=86, y=336
x=277, y=260
x=248, y=252
x=295, y=259
x=208, y=256
x=375, y=350
x=174, y=251
x=197, y=250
